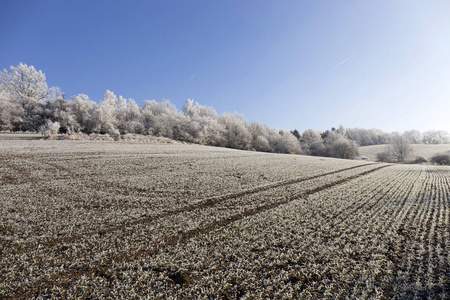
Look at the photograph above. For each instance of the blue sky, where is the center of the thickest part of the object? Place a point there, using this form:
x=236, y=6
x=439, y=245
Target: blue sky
x=288, y=64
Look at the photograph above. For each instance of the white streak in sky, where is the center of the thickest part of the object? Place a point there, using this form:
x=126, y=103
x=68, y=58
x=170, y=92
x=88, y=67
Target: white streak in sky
x=192, y=77
x=339, y=64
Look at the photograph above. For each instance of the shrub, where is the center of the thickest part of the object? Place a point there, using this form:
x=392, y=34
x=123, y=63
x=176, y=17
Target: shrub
x=441, y=159
x=317, y=149
x=384, y=156
x=343, y=148
x=419, y=160
x=49, y=128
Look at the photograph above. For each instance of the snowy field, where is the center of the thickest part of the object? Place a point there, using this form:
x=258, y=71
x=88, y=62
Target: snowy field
x=99, y=219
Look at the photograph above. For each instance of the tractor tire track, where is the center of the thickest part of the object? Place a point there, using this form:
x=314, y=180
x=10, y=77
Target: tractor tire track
x=202, y=204
x=103, y=269
x=171, y=241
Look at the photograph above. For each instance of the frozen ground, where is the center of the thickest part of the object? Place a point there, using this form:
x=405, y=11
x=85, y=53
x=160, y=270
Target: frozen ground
x=97, y=219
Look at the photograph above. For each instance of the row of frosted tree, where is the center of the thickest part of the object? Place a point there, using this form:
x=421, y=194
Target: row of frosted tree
x=367, y=137
x=27, y=104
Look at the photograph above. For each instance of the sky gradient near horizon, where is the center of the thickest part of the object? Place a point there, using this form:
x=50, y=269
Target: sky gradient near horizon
x=288, y=64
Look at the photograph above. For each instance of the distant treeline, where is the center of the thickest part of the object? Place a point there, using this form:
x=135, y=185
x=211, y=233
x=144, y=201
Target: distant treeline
x=367, y=137
x=27, y=104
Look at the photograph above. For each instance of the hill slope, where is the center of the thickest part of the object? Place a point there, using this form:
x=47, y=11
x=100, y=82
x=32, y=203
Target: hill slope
x=424, y=150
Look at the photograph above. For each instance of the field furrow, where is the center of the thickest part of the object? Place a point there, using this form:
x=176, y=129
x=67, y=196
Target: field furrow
x=102, y=219
x=229, y=200
x=175, y=229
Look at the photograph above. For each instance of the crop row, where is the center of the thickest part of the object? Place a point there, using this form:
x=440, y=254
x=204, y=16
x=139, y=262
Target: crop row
x=372, y=237
x=55, y=201
x=51, y=237
x=198, y=222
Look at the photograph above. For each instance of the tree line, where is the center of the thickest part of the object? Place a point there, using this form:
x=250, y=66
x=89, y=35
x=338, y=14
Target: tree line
x=28, y=104
x=368, y=137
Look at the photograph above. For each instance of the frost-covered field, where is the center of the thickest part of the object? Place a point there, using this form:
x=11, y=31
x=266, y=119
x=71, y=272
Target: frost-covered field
x=97, y=219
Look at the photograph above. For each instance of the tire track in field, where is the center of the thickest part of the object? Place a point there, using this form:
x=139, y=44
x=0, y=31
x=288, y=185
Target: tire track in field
x=202, y=204
x=382, y=221
x=241, y=193
x=103, y=269
x=171, y=241
x=75, y=273
x=47, y=164
x=24, y=175
x=211, y=201
x=349, y=223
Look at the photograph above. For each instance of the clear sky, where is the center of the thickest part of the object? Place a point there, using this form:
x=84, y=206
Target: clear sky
x=288, y=64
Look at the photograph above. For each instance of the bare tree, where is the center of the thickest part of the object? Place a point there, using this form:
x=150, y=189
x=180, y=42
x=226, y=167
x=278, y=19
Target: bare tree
x=400, y=147
x=414, y=136
x=436, y=137
x=384, y=156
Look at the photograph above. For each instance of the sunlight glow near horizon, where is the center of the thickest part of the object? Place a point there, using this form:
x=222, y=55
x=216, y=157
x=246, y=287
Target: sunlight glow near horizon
x=288, y=64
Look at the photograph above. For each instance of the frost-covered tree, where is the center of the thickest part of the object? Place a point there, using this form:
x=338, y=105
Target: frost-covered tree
x=414, y=136
x=335, y=143
x=317, y=149
x=343, y=148
x=85, y=112
x=443, y=136
x=436, y=137
x=107, y=113
x=129, y=117
x=285, y=142
x=10, y=112
x=203, y=126
x=339, y=146
x=236, y=131
x=24, y=83
x=400, y=147
x=260, y=135
x=429, y=137
x=49, y=128
x=28, y=88
x=311, y=136
x=367, y=137
x=341, y=130
x=162, y=119
x=332, y=136
x=384, y=156
x=61, y=111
